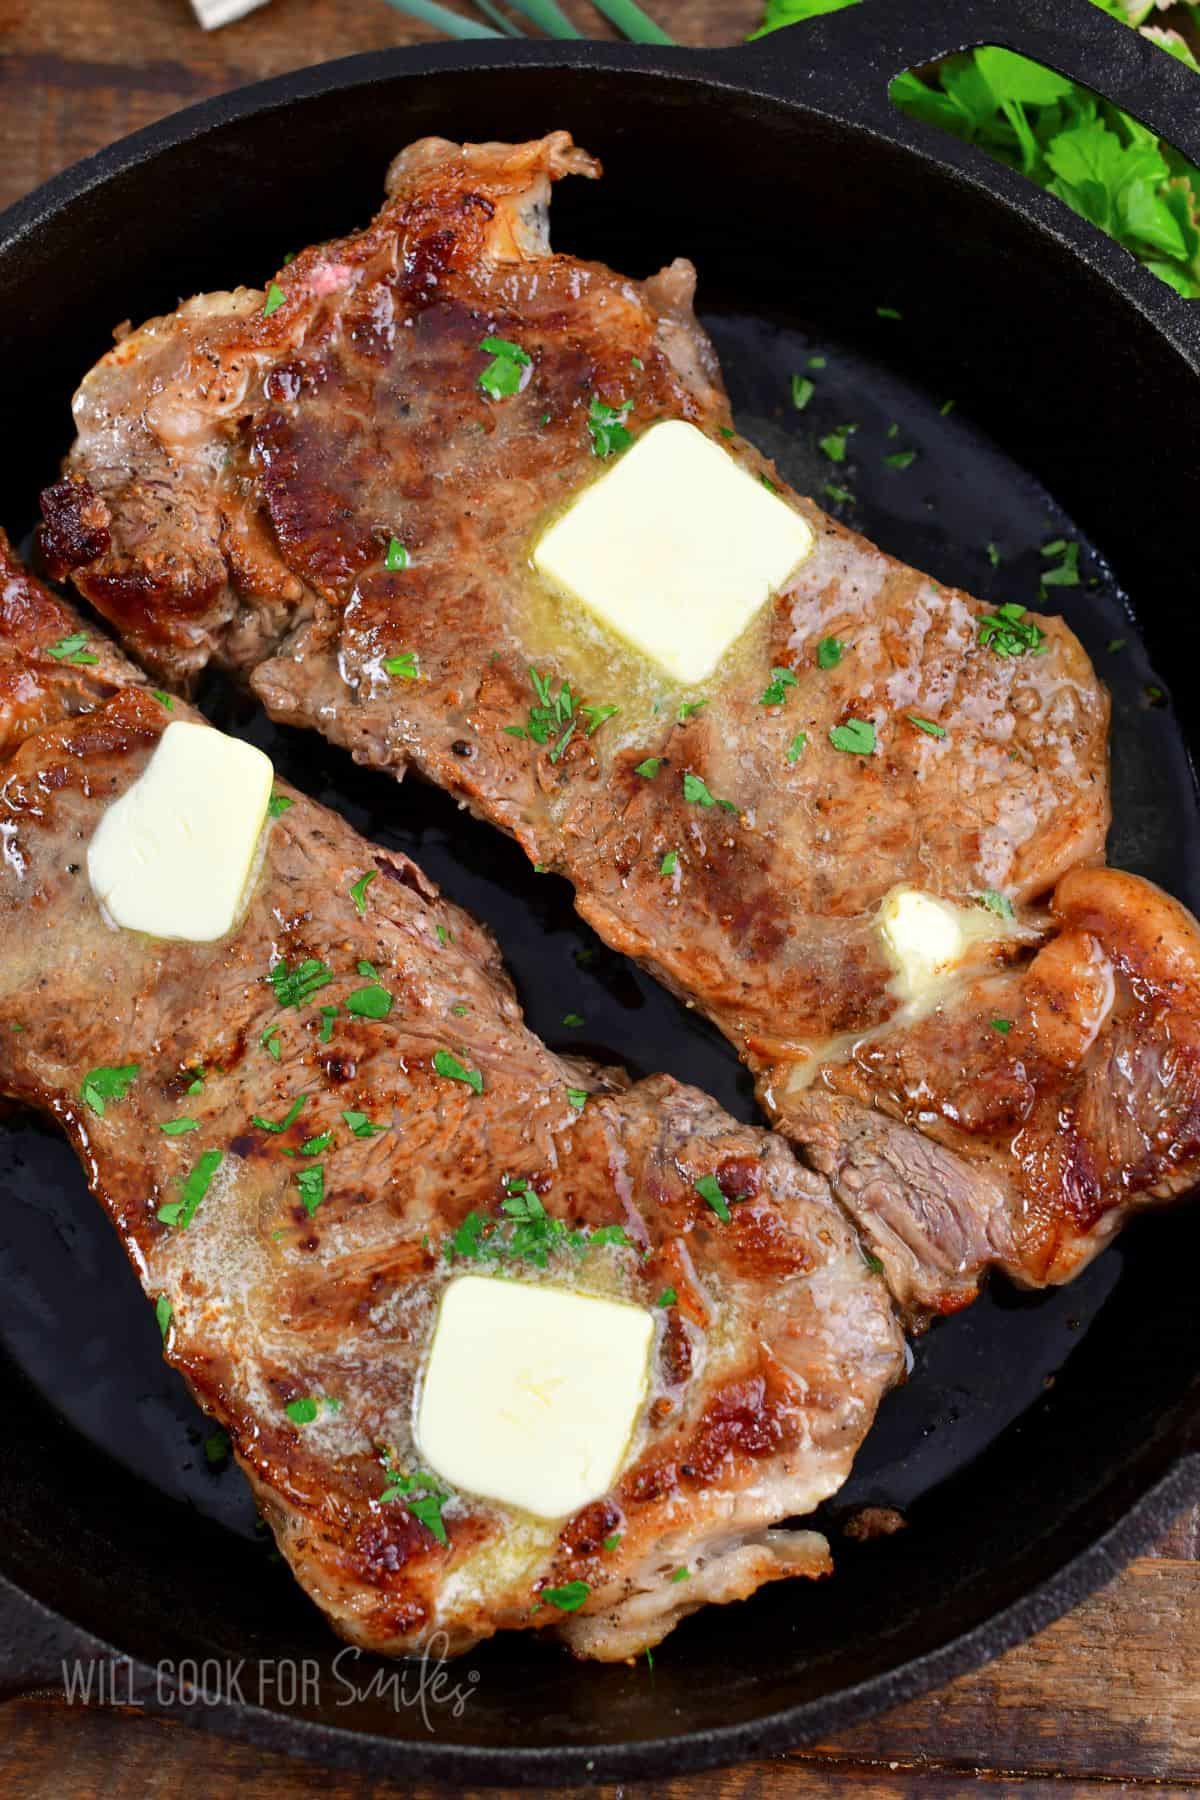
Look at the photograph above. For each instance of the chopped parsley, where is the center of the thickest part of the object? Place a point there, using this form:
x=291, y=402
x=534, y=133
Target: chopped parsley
x=993, y=555
x=404, y=664
x=689, y=709
x=873, y=1263
x=929, y=726
x=802, y=391
x=367, y=968
x=857, y=736
x=669, y=863
x=505, y=374
x=1009, y=633
x=421, y=1493
x=681, y=1574
x=1066, y=572
x=888, y=312
x=73, y=649
x=994, y=902
x=1003, y=1026
x=397, y=555
x=578, y=1098
x=285, y=1124
x=447, y=1065
x=834, y=443
x=270, y=1041
x=316, y=1146
x=818, y=362
x=568, y=1598
x=295, y=987
x=216, y=1448
x=527, y=1232
x=695, y=791
x=358, y=893
x=360, y=1126
x=648, y=769
x=106, y=1083
x=164, y=1312
x=177, y=1127
x=303, y=1411
x=311, y=1183
x=796, y=748
x=163, y=699
x=668, y=1297
x=776, y=693
x=277, y=804
x=842, y=495
x=709, y=1189
x=372, y=1002
x=1116, y=644
x=900, y=459
x=829, y=652
x=556, y=715
x=610, y=1543
x=196, y=1084
x=182, y=1212
x=328, y=1015
x=573, y=1019
x=273, y=301
x=607, y=426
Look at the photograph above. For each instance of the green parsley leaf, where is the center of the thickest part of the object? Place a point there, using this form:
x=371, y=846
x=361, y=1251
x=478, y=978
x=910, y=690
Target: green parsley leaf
x=596, y=715
x=270, y=1042
x=681, y=1574
x=311, y=1183
x=709, y=1189
x=366, y=968
x=993, y=556
x=1009, y=633
x=176, y=1127
x=196, y=1085
x=164, y=1312
x=163, y=699
x=568, y=1598
x=888, y=312
x=285, y=1124
x=397, y=555
x=216, y=1448
x=796, y=748
x=802, y=391
x=578, y=1098
x=1115, y=644
x=460, y=1009
x=668, y=1297
x=928, y=726
x=1066, y=572
x=842, y=495
x=768, y=484
x=554, y=715
x=648, y=769
x=505, y=374
x=295, y=987
x=404, y=665
x=106, y=1083
x=1000, y=904
x=361, y=1126
x=273, y=301
x=277, y=804
x=358, y=893
x=372, y=1002
x=607, y=426
x=447, y=1064
x=421, y=1494
x=317, y=1146
x=856, y=736
x=573, y=1019
x=72, y=649
x=819, y=362
x=196, y=1186
x=873, y=1263
x=669, y=863
x=304, y=1411
x=1003, y=1026
x=610, y=1543
x=829, y=652
x=328, y=1015
x=901, y=459
x=834, y=444
x=689, y=709
x=169, y=1214
x=695, y=791
x=776, y=693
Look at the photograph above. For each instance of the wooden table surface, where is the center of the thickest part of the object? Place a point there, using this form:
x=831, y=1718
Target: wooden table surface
x=1110, y=1696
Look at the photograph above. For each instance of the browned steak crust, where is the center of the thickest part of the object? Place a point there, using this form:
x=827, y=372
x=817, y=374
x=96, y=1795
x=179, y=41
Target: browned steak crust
x=250, y=469
x=774, y=1338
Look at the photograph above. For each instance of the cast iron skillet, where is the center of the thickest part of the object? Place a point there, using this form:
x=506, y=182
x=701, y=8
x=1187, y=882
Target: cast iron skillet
x=1041, y=1440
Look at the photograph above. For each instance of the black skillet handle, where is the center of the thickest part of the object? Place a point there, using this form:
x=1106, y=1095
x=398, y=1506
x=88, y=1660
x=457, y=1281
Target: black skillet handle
x=842, y=63
x=855, y=53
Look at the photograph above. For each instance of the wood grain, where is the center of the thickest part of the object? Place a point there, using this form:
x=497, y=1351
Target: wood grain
x=1107, y=1700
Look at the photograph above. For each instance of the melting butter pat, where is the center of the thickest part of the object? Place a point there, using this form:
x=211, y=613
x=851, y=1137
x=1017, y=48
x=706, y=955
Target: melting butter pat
x=674, y=549
x=532, y=1392
x=924, y=937
x=174, y=855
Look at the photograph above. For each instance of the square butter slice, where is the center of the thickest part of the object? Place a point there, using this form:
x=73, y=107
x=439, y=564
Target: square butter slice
x=532, y=1392
x=675, y=548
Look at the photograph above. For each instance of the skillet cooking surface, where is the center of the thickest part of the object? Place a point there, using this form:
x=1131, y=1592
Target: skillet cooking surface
x=74, y=1320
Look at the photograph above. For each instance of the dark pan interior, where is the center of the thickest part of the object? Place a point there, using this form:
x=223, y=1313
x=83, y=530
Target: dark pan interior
x=1031, y=1424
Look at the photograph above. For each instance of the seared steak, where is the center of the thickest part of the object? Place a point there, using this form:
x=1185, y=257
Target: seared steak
x=307, y=1276
x=240, y=472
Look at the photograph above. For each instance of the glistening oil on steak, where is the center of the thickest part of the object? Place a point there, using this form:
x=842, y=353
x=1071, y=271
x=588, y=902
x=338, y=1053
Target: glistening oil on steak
x=210, y=522
x=291, y=1129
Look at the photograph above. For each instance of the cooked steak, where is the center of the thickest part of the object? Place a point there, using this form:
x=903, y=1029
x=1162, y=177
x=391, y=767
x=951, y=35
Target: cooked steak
x=241, y=471
x=328, y=1152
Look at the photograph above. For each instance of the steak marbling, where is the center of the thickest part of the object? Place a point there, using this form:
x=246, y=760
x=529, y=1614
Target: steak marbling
x=239, y=473
x=768, y=1363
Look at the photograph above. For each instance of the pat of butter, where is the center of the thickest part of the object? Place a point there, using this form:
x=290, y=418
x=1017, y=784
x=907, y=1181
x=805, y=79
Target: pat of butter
x=675, y=548
x=532, y=1392
x=924, y=937
x=173, y=856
